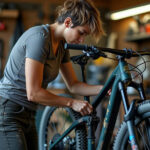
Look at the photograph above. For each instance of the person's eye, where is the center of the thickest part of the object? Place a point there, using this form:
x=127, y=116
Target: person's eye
x=81, y=32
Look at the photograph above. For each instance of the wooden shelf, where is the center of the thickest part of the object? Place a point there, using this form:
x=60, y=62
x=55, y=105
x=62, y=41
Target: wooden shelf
x=137, y=37
x=9, y=13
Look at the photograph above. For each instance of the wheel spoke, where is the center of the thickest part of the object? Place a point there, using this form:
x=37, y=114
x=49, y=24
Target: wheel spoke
x=53, y=126
x=147, y=128
x=141, y=132
x=65, y=122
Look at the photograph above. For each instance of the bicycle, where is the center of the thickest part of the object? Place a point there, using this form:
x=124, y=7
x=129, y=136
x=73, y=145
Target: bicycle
x=78, y=134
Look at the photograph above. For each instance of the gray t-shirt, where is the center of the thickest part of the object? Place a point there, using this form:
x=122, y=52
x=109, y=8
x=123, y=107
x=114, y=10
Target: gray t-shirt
x=36, y=44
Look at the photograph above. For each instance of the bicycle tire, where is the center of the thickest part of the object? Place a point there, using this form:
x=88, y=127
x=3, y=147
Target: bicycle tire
x=121, y=141
x=80, y=132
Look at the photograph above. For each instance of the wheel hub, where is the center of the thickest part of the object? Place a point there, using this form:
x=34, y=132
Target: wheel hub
x=66, y=144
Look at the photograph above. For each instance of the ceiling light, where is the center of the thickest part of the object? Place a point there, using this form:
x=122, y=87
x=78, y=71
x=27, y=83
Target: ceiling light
x=130, y=12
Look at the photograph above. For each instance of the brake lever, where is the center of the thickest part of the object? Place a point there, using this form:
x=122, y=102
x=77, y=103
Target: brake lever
x=94, y=53
x=80, y=59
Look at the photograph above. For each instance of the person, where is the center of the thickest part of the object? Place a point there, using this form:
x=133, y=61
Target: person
x=35, y=60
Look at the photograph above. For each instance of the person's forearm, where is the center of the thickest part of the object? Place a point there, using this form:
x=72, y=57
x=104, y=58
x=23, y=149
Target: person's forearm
x=84, y=89
x=45, y=97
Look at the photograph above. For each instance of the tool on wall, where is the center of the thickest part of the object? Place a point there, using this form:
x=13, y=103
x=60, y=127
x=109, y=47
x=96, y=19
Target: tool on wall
x=2, y=26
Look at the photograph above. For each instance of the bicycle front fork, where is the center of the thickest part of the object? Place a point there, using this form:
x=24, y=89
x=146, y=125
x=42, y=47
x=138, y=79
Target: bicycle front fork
x=132, y=138
x=129, y=116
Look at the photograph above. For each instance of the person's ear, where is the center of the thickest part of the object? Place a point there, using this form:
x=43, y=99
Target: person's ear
x=68, y=22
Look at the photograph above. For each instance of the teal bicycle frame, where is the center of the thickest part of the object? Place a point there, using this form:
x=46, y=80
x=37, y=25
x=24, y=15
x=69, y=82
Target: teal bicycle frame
x=118, y=81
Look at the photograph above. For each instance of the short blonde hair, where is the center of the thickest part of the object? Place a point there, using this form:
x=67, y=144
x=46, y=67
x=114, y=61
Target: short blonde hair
x=81, y=12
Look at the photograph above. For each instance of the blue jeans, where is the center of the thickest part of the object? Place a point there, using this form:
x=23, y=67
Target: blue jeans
x=17, y=127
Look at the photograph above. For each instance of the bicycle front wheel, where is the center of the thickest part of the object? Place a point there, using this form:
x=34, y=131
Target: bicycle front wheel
x=142, y=123
x=54, y=122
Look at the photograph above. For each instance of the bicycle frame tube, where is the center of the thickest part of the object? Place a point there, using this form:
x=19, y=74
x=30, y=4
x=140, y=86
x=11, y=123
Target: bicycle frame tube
x=124, y=71
x=105, y=89
x=113, y=79
x=108, y=117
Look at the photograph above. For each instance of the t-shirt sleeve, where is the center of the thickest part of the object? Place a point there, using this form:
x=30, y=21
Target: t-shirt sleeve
x=35, y=47
x=66, y=57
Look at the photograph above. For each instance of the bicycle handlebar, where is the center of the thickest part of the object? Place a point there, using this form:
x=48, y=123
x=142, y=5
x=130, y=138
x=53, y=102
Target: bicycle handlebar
x=127, y=53
x=76, y=46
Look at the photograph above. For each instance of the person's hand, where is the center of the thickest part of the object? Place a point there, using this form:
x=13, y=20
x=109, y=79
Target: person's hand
x=109, y=92
x=82, y=106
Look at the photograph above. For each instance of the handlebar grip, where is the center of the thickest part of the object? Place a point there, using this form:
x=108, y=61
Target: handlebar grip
x=75, y=46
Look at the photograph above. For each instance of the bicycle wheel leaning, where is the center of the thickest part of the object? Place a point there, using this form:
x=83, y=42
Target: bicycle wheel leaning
x=54, y=122
x=142, y=122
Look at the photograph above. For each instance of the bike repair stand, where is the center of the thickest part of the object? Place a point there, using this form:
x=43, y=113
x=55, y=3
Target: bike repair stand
x=91, y=120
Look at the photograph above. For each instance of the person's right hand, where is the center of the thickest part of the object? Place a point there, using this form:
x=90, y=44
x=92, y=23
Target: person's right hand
x=82, y=106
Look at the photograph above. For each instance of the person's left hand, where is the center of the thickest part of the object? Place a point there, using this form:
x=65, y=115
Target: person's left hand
x=109, y=92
